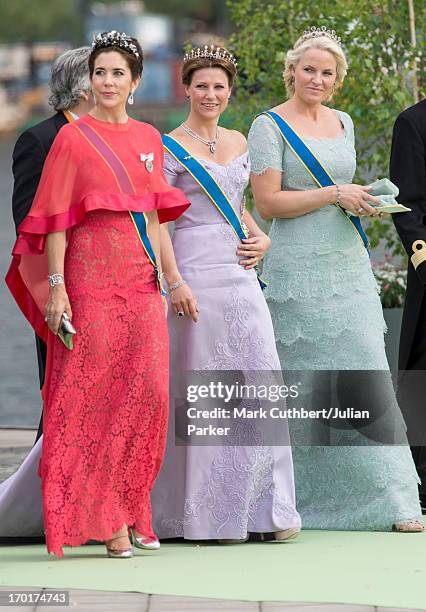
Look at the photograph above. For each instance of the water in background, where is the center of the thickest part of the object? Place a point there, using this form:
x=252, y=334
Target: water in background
x=20, y=403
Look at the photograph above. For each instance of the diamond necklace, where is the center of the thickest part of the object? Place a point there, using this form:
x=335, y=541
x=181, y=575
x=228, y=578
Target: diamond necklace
x=210, y=143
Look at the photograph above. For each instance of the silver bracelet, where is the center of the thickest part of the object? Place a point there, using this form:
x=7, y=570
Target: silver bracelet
x=339, y=196
x=56, y=279
x=176, y=285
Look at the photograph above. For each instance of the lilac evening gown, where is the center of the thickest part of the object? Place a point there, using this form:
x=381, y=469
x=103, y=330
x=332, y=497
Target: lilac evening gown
x=220, y=492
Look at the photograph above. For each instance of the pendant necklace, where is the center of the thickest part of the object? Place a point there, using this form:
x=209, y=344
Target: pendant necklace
x=210, y=143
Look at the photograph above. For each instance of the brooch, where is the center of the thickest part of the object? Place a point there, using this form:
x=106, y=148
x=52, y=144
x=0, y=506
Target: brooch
x=149, y=161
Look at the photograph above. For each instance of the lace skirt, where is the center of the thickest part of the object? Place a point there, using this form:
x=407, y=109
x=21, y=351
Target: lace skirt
x=211, y=492
x=106, y=401
x=327, y=315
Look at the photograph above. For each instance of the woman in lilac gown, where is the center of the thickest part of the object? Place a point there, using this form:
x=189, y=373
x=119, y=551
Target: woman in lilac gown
x=218, y=492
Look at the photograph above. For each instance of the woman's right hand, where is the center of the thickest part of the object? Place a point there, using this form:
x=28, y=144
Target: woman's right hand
x=57, y=304
x=356, y=198
x=183, y=300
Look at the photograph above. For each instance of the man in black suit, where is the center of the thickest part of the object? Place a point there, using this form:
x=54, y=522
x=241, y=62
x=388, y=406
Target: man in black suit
x=71, y=92
x=408, y=172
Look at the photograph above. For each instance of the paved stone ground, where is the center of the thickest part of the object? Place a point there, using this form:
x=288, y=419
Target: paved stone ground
x=139, y=602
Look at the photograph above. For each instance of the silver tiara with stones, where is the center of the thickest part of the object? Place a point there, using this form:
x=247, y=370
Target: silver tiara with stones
x=315, y=32
x=115, y=39
x=210, y=52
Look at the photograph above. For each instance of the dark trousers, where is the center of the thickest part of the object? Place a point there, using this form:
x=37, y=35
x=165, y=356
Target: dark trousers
x=412, y=399
x=41, y=360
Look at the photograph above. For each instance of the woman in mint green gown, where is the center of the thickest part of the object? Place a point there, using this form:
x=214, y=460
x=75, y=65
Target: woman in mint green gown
x=322, y=293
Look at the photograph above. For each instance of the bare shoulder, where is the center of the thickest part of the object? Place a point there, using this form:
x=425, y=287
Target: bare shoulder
x=235, y=140
x=238, y=138
x=177, y=132
x=281, y=109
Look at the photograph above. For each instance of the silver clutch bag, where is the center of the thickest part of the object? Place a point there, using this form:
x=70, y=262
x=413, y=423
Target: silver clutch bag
x=67, y=331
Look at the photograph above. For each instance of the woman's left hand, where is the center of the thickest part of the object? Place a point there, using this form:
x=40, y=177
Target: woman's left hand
x=253, y=250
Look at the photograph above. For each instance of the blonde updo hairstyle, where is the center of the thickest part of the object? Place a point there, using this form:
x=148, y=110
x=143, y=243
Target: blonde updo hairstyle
x=325, y=43
x=197, y=63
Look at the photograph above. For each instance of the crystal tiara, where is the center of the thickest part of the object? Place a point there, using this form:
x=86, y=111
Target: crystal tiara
x=315, y=32
x=115, y=39
x=211, y=52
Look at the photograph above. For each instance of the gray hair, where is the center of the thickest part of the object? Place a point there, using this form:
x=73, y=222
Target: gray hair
x=69, y=78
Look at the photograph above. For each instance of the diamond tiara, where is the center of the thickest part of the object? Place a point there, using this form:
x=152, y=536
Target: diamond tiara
x=115, y=39
x=211, y=52
x=315, y=32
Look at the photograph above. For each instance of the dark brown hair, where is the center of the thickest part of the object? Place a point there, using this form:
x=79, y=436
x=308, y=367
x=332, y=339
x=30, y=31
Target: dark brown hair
x=135, y=63
x=197, y=63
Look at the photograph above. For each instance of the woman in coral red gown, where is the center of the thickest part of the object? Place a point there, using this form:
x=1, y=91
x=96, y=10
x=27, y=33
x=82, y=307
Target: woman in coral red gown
x=105, y=401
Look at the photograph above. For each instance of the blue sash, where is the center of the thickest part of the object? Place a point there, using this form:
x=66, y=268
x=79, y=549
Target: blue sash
x=209, y=186
x=116, y=166
x=139, y=219
x=313, y=166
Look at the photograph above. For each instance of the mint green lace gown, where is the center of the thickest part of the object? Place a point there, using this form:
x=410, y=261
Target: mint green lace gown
x=327, y=315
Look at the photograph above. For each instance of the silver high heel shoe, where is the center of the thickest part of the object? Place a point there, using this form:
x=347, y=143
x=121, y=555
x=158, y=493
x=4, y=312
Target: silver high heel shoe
x=144, y=542
x=115, y=553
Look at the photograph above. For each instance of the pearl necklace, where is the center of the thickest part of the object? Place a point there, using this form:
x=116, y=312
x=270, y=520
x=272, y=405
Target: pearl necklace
x=210, y=143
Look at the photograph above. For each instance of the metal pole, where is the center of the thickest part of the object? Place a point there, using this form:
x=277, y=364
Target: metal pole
x=413, y=45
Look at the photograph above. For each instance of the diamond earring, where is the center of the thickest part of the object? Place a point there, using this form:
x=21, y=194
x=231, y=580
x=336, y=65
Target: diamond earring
x=131, y=99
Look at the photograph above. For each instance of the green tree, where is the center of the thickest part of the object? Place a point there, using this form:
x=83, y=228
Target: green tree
x=376, y=39
x=28, y=21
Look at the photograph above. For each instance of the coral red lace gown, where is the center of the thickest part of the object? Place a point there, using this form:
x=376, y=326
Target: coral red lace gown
x=106, y=401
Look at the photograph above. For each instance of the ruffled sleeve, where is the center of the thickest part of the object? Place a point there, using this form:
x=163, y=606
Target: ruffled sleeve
x=78, y=178
x=54, y=201
x=57, y=197
x=266, y=146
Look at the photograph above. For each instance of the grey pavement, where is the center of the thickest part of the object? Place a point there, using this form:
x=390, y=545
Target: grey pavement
x=14, y=446
x=20, y=403
x=141, y=602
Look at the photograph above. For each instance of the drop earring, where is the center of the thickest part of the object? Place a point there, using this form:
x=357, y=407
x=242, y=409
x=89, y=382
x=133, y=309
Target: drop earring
x=131, y=99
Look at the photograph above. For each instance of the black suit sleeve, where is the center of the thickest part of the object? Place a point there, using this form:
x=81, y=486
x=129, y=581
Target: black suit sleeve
x=408, y=172
x=28, y=160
